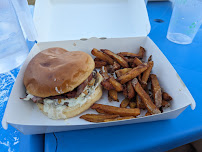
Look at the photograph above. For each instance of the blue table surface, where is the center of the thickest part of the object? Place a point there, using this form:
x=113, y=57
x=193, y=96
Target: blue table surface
x=152, y=136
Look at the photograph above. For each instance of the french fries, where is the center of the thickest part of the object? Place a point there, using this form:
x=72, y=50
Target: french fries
x=166, y=96
x=104, y=73
x=132, y=104
x=107, y=85
x=148, y=113
x=137, y=61
x=141, y=52
x=118, y=87
x=139, y=55
x=113, y=95
x=99, y=64
x=122, y=71
x=97, y=117
x=151, y=107
x=116, y=110
x=125, y=103
x=165, y=104
x=128, y=73
x=119, y=118
x=140, y=104
x=116, y=66
x=116, y=57
x=102, y=56
x=132, y=74
x=100, y=111
x=130, y=90
x=156, y=90
x=146, y=73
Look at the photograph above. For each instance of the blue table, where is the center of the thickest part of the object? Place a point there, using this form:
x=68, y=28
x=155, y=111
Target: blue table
x=152, y=136
x=11, y=139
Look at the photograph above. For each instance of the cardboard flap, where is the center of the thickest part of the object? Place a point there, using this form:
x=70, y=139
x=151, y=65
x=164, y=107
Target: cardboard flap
x=57, y=20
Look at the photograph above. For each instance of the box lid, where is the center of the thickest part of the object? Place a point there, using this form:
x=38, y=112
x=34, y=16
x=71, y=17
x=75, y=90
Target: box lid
x=57, y=20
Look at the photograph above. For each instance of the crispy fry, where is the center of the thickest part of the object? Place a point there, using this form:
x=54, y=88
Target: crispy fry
x=137, y=61
x=148, y=113
x=124, y=103
x=141, y=52
x=107, y=85
x=125, y=91
x=151, y=107
x=100, y=111
x=122, y=71
x=116, y=66
x=97, y=117
x=104, y=73
x=110, y=68
x=116, y=57
x=118, y=87
x=99, y=64
x=140, y=104
x=117, y=119
x=117, y=110
x=156, y=90
x=132, y=104
x=166, y=96
x=130, y=90
x=97, y=59
x=146, y=73
x=129, y=54
x=102, y=56
x=132, y=74
x=150, y=58
x=165, y=104
x=113, y=95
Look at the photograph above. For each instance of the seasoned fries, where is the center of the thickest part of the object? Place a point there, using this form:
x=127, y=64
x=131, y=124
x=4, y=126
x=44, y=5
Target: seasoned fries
x=166, y=96
x=107, y=85
x=122, y=71
x=132, y=104
x=117, y=119
x=124, y=103
x=151, y=107
x=100, y=111
x=130, y=90
x=116, y=57
x=127, y=73
x=116, y=66
x=102, y=56
x=140, y=104
x=165, y=104
x=146, y=73
x=137, y=62
x=97, y=117
x=113, y=95
x=139, y=55
x=156, y=90
x=132, y=74
x=104, y=73
x=117, y=111
x=99, y=64
x=118, y=87
x=148, y=113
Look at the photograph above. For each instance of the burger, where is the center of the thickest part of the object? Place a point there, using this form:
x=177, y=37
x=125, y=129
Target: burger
x=63, y=84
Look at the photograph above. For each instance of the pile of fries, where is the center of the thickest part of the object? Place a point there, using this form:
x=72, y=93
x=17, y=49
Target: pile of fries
x=126, y=72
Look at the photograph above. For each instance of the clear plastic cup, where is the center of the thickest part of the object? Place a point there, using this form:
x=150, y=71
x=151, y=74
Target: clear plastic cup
x=185, y=21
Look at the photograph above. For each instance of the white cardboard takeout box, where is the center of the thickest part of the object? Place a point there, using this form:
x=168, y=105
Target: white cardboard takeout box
x=125, y=24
